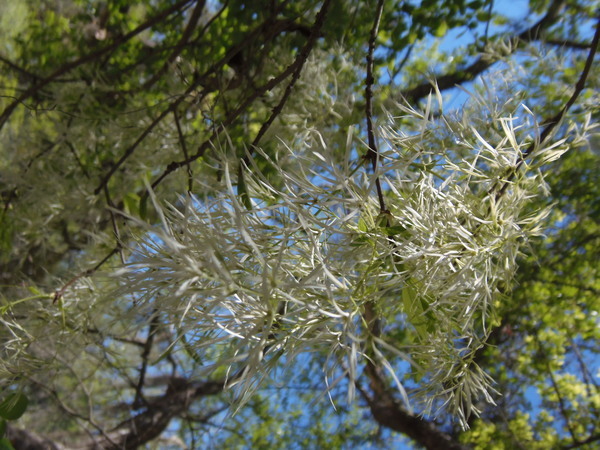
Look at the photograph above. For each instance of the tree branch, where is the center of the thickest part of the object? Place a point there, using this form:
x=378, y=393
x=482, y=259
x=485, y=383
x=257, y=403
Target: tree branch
x=139, y=399
x=185, y=36
x=468, y=73
x=293, y=68
x=198, y=81
x=298, y=65
x=27, y=440
x=390, y=414
x=150, y=424
x=553, y=122
x=19, y=69
x=373, y=152
x=569, y=44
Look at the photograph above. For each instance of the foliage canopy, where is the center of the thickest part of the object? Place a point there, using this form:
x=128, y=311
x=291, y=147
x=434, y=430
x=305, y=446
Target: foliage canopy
x=270, y=223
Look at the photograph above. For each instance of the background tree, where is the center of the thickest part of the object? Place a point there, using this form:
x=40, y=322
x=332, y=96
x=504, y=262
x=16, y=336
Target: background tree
x=220, y=218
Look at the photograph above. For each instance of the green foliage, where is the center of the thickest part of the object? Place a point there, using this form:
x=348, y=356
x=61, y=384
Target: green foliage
x=186, y=198
x=13, y=406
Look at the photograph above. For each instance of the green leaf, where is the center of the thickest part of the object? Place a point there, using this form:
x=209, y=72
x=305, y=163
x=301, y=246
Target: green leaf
x=243, y=190
x=2, y=427
x=362, y=225
x=131, y=202
x=442, y=29
x=394, y=230
x=143, y=207
x=34, y=290
x=13, y=406
x=384, y=219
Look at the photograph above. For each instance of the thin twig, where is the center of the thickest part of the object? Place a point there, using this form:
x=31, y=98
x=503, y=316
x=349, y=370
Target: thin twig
x=232, y=116
x=58, y=294
x=298, y=65
x=373, y=153
x=561, y=403
x=398, y=68
x=198, y=81
x=553, y=122
x=115, y=226
x=184, y=150
x=185, y=36
x=131, y=149
x=152, y=328
x=569, y=44
x=487, y=24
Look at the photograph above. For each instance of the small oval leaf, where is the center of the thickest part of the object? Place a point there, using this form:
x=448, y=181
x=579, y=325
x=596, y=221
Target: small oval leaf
x=13, y=406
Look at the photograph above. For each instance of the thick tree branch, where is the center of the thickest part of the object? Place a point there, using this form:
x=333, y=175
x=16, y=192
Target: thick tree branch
x=390, y=414
x=27, y=440
x=150, y=424
x=468, y=73
x=138, y=430
x=19, y=69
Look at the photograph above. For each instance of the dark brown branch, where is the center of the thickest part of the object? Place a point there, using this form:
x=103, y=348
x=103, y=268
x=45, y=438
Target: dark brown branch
x=23, y=439
x=151, y=423
x=569, y=44
x=198, y=81
x=185, y=152
x=60, y=292
x=400, y=66
x=390, y=414
x=385, y=409
x=138, y=430
x=469, y=73
x=19, y=69
x=129, y=151
x=561, y=403
x=487, y=23
x=113, y=219
x=152, y=328
x=588, y=378
x=298, y=65
x=590, y=440
x=136, y=342
x=87, y=58
x=373, y=153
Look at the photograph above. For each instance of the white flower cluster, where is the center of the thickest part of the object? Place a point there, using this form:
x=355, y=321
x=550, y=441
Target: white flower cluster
x=253, y=284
